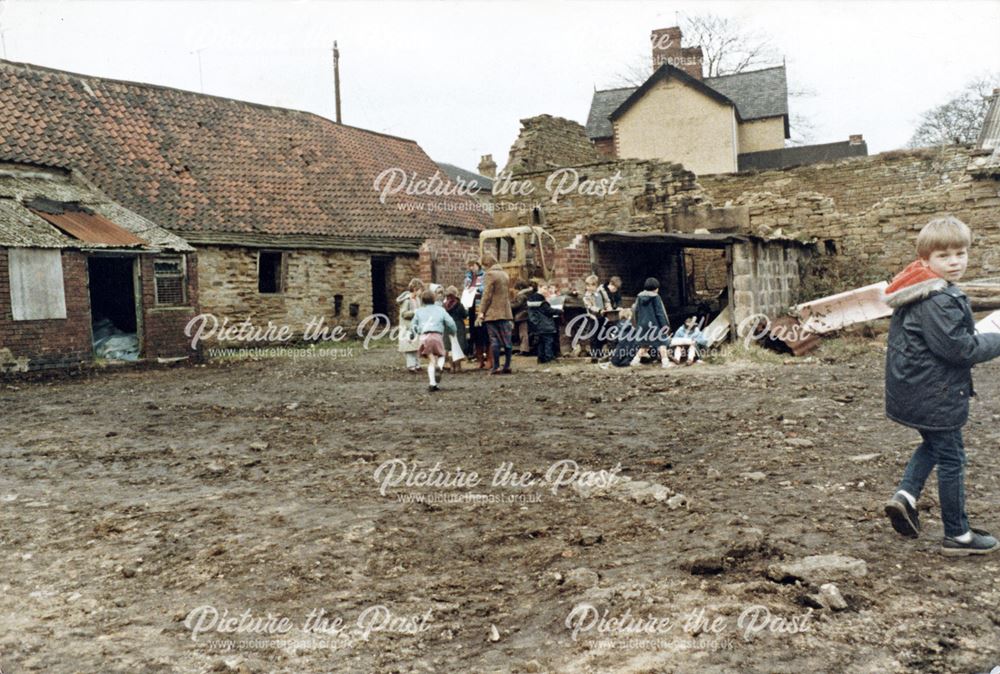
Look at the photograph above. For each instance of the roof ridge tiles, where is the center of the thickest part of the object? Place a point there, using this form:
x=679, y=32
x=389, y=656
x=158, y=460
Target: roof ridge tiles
x=34, y=67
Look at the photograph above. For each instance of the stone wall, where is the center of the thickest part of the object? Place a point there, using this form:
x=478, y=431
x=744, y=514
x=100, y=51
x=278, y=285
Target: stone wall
x=312, y=280
x=868, y=210
x=546, y=142
x=641, y=196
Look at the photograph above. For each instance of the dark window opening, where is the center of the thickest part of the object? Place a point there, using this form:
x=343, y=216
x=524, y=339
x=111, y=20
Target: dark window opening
x=830, y=246
x=536, y=216
x=269, y=272
x=354, y=310
x=338, y=304
x=169, y=282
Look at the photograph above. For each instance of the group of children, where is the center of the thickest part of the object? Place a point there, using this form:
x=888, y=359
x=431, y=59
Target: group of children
x=932, y=347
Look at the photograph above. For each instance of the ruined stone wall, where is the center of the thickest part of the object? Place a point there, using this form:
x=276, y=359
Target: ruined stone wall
x=548, y=142
x=854, y=184
x=312, y=279
x=868, y=210
x=641, y=195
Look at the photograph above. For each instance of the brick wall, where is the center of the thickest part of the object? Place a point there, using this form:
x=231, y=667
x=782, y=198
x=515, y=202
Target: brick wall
x=572, y=265
x=606, y=147
x=53, y=343
x=163, y=327
x=443, y=260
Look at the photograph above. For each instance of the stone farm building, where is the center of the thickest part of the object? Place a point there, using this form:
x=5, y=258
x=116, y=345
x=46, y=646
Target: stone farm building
x=72, y=259
x=280, y=205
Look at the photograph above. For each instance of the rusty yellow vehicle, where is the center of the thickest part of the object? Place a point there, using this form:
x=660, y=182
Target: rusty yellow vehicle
x=524, y=252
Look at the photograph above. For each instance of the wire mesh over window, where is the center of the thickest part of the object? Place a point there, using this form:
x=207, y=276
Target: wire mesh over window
x=168, y=274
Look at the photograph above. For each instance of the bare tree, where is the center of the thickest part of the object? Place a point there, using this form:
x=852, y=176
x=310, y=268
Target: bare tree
x=727, y=48
x=959, y=120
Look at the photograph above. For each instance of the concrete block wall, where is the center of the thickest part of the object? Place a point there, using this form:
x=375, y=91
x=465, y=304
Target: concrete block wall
x=765, y=277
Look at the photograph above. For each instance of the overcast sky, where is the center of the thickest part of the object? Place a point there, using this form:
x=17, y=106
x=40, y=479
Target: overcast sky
x=457, y=76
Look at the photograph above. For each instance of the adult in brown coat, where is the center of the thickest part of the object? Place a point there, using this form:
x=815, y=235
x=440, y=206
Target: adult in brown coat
x=495, y=313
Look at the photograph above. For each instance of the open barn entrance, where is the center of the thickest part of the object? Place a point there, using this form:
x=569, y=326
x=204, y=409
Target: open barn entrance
x=694, y=270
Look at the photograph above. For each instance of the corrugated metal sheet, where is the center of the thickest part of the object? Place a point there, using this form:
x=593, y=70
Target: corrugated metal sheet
x=91, y=228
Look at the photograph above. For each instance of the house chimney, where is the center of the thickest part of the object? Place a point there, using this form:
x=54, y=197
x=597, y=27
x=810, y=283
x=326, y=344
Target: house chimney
x=487, y=167
x=667, y=49
x=856, y=139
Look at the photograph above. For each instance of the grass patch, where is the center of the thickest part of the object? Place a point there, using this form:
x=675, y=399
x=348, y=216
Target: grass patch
x=752, y=353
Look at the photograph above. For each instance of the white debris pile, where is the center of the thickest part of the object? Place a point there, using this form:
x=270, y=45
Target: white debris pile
x=113, y=344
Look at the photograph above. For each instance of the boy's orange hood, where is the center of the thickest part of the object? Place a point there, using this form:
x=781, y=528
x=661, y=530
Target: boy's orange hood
x=915, y=282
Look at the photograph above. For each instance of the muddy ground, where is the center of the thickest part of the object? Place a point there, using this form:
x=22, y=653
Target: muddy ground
x=137, y=507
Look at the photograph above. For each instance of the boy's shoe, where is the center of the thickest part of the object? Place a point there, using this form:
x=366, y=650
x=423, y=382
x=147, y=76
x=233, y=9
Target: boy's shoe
x=982, y=543
x=432, y=388
x=506, y=370
x=903, y=516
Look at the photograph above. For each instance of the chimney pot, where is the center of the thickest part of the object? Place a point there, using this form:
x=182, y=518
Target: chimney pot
x=856, y=139
x=487, y=167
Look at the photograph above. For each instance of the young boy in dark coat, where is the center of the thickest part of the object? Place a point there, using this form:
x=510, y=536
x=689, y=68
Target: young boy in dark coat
x=542, y=323
x=928, y=380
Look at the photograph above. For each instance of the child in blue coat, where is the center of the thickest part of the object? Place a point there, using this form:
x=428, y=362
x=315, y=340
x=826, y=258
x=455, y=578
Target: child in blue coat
x=430, y=322
x=932, y=347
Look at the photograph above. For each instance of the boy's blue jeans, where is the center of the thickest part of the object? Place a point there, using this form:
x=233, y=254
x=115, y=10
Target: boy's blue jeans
x=946, y=450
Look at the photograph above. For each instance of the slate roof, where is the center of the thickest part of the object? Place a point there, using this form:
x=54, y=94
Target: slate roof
x=484, y=183
x=601, y=106
x=22, y=227
x=205, y=165
x=757, y=94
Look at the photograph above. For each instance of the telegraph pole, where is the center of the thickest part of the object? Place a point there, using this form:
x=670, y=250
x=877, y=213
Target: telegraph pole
x=336, y=77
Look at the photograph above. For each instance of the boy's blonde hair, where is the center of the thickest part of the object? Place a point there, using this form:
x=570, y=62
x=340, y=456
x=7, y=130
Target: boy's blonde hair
x=415, y=284
x=941, y=234
x=591, y=280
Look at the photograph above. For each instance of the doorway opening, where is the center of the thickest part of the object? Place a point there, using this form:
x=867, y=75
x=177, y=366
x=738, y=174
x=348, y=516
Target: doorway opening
x=114, y=317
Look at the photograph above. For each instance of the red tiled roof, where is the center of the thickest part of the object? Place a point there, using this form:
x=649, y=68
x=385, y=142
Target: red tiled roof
x=197, y=163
